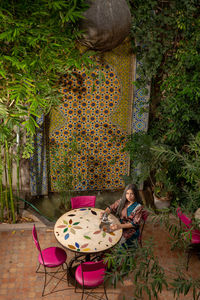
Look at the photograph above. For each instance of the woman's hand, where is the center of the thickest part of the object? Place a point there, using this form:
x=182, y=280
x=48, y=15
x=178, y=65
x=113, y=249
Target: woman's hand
x=101, y=214
x=107, y=210
x=114, y=227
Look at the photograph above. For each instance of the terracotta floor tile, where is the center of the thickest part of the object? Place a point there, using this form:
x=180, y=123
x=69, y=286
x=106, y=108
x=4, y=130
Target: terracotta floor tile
x=18, y=261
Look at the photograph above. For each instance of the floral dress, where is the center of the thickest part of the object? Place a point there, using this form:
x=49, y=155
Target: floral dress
x=130, y=214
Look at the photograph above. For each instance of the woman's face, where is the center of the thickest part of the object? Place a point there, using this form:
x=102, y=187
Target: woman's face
x=130, y=195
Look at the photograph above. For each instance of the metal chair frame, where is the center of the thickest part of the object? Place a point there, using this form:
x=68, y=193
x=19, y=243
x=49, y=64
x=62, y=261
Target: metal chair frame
x=47, y=273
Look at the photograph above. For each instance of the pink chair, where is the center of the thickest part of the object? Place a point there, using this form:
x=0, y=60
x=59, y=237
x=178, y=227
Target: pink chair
x=90, y=275
x=51, y=257
x=145, y=215
x=183, y=218
x=194, y=233
x=83, y=201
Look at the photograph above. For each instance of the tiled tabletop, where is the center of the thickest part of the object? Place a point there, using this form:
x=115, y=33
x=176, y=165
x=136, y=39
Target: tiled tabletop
x=79, y=231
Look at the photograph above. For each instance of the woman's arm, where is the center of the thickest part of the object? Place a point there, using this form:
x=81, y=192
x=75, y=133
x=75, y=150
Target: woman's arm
x=134, y=220
x=107, y=210
x=112, y=208
x=120, y=226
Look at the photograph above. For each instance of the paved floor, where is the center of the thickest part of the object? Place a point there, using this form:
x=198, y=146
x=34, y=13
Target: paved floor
x=18, y=261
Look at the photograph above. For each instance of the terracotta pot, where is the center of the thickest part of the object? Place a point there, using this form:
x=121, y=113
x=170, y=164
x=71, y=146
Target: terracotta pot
x=161, y=202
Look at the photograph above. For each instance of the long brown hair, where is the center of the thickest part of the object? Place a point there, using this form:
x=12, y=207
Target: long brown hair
x=131, y=187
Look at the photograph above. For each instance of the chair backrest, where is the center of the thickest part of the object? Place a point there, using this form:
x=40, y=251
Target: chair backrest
x=83, y=201
x=145, y=215
x=93, y=266
x=187, y=221
x=35, y=238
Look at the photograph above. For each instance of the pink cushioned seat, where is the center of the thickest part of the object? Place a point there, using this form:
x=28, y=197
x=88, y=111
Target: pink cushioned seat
x=91, y=278
x=53, y=257
x=91, y=275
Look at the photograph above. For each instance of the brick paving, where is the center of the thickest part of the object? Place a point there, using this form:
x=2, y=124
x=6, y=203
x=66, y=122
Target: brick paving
x=18, y=261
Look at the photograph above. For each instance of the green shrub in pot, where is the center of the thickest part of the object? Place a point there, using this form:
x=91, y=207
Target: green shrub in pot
x=147, y=164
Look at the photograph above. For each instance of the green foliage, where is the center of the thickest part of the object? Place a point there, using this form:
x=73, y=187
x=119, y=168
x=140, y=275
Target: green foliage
x=149, y=276
x=166, y=168
x=157, y=28
x=148, y=165
x=138, y=146
x=38, y=46
x=65, y=158
x=166, y=41
x=181, y=286
x=187, y=174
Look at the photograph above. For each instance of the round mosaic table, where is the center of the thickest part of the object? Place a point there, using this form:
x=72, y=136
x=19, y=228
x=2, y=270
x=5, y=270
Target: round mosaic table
x=79, y=231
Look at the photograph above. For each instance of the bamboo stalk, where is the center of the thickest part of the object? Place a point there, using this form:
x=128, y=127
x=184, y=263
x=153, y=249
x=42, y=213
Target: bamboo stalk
x=1, y=187
x=10, y=183
x=6, y=186
x=1, y=199
x=18, y=171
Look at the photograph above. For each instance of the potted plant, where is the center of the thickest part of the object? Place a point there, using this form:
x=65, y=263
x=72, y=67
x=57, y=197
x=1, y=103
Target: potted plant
x=162, y=188
x=147, y=164
x=186, y=165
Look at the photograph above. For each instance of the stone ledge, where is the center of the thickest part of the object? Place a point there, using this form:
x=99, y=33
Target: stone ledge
x=21, y=226
x=39, y=222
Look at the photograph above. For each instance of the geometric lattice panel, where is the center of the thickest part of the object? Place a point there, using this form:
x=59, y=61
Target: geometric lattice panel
x=140, y=118
x=86, y=122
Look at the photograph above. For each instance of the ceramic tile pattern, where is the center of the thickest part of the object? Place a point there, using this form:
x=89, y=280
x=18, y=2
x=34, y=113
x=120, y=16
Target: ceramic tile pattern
x=96, y=115
x=18, y=261
x=97, y=112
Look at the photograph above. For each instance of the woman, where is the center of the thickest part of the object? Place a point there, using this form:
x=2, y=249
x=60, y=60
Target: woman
x=129, y=211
